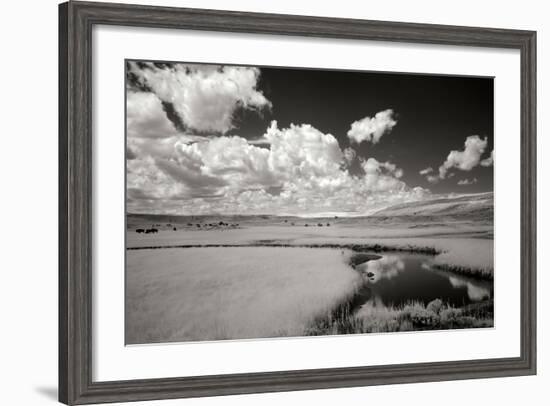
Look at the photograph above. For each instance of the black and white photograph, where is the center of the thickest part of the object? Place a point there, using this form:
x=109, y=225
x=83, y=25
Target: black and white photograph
x=266, y=202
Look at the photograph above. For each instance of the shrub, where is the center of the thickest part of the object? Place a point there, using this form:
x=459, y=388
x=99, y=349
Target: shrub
x=435, y=306
x=450, y=315
x=406, y=325
x=419, y=315
x=410, y=317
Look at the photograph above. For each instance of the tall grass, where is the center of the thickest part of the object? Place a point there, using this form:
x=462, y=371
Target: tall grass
x=412, y=316
x=467, y=258
x=232, y=293
x=482, y=273
x=210, y=294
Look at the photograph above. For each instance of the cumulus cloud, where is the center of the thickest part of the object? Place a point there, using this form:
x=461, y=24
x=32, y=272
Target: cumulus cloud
x=233, y=162
x=464, y=160
x=382, y=176
x=464, y=182
x=433, y=178
x=304, y=149
x=426, y=171
x=205, y=97
x=488, y=161
x=371, y=166
x=145, y=117
x=372, y=128
x=228, y=174
x=349, y=155
x=180, y=160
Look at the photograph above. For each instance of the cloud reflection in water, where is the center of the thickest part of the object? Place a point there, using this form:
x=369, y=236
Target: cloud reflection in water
x=475, y=293
x=386, y=267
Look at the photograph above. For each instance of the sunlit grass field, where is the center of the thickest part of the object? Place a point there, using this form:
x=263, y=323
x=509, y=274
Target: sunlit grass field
x=262, y=278
x=232, y=293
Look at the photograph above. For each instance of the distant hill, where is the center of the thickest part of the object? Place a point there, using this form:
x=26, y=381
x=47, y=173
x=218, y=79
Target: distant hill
x=471, y=206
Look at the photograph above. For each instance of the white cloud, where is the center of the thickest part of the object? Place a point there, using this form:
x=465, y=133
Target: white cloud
x=304, y=149
x=464, y=160
x=433, y=178
x=205, y=97
x=488, y=161
x=382, y=175
x=426, y=171
x=301, y=172
x=349, y=155
x=464, y=182
x=145, y=117
x=231, y=160
x=467, y=159
x=372, y=129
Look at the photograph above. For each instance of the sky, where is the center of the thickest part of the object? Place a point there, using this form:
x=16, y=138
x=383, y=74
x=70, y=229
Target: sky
x=222, y=139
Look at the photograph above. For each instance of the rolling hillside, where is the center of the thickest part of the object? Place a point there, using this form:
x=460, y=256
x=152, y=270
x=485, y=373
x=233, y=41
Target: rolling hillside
x=472, y=206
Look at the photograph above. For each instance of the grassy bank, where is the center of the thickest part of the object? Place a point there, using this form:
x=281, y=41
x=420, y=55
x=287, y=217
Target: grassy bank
x=360, y=314
x=272, y=243
x=481, y=273
x=413, y=316
x=443, y=260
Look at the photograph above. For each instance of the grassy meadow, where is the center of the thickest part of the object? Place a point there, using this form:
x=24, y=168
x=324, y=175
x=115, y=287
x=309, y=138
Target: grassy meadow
x=227, y=293
x=232, y=277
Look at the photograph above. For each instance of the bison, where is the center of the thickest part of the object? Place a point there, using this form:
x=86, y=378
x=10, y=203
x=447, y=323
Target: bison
x=140, y=230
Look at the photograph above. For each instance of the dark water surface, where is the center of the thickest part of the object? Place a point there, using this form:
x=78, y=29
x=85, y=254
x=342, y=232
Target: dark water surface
x=398, y=278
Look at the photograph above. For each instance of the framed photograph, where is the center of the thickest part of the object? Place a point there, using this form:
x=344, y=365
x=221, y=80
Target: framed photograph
x=259, y=202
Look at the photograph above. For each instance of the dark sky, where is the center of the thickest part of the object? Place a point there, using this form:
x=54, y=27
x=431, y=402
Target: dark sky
x=435, y=114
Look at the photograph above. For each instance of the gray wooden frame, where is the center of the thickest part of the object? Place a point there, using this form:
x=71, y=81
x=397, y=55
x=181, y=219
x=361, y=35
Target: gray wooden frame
x=76, y=20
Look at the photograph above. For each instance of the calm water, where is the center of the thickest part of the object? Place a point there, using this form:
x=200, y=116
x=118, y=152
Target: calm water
x=398, y=278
